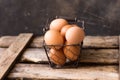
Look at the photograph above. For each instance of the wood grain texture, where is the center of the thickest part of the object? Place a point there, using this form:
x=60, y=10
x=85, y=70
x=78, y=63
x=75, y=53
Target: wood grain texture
x=101, y=42
x=10, y=55
x=106, y=56
x=89, y=41
x=40, y=71
x=6, y=41
x=103, y=56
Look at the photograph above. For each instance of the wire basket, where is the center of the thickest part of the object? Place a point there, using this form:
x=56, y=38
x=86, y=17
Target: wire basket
x=68, y=63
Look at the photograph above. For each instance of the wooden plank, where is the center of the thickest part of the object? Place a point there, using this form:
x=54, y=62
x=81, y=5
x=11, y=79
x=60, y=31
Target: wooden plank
x=103, y=56
x=6, y=41
x=10, y=55
x=89, y=41
x=40, y=71
x=101, y=42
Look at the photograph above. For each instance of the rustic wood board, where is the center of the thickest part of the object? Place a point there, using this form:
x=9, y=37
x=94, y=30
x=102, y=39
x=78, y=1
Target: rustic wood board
x=6, y=41
x=101, y=56
x=10, y=55
x=89, y=41
x=101, y=42
x=39, y=71
x=105, y=56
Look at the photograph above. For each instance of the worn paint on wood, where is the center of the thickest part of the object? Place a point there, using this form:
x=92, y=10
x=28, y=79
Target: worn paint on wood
x=97, y=49
x=101, y=42
x=89, y=41
x=42, y=71
x=101, y=56
x=105, y=56
x=10, y=55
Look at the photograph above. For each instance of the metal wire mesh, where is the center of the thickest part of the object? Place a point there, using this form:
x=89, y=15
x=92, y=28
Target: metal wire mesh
x=68, y=63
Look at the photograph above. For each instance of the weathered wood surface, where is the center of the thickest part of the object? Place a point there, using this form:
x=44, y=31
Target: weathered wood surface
x=97, y=49
x=40, y=71
x=10, y=55
x=101, y=42
x=89, y=41
x=105, y=56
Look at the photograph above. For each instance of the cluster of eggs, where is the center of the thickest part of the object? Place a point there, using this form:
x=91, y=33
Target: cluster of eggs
x=63, y=33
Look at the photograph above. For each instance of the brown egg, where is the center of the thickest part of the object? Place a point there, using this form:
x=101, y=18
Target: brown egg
x=64, y=29
x=71, y=52
x=57, y=56
x=57, y=24
x=53, y=37
x=74, y=35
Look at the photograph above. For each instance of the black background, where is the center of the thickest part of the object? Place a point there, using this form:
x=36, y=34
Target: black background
x=102, y=17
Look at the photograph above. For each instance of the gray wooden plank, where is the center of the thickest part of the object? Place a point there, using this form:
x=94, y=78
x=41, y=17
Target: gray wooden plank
x=101, y=56
x=10, y=55
x=89, y=41
x=40, y=71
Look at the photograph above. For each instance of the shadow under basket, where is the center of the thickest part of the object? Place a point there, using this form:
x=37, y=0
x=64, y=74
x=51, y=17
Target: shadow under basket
x=68, y=63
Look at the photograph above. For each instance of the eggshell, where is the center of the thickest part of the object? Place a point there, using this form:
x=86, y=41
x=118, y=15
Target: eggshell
x=57, y=24
x=64, y=29
x=53, y=37
x=74, y=35
x=57, y=56
x=71, y=52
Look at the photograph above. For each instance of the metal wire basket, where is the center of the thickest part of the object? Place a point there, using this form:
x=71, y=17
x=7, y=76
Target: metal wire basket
x=68, y=63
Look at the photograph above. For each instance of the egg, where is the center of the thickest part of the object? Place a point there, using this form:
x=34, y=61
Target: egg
x=57, y=24
x=53, y=37
x=75, y=35
x=64, y=29
x=57, y=56
x=71, y=52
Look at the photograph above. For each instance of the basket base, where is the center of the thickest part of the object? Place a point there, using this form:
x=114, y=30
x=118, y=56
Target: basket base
x=68, y=64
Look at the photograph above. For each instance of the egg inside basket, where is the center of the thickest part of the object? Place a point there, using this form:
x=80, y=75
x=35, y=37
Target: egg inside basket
x=63, y=40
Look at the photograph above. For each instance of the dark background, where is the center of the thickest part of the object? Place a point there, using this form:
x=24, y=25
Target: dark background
x=102, y=17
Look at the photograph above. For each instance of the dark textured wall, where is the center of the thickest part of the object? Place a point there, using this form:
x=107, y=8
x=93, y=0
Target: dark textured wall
x=102, y=17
